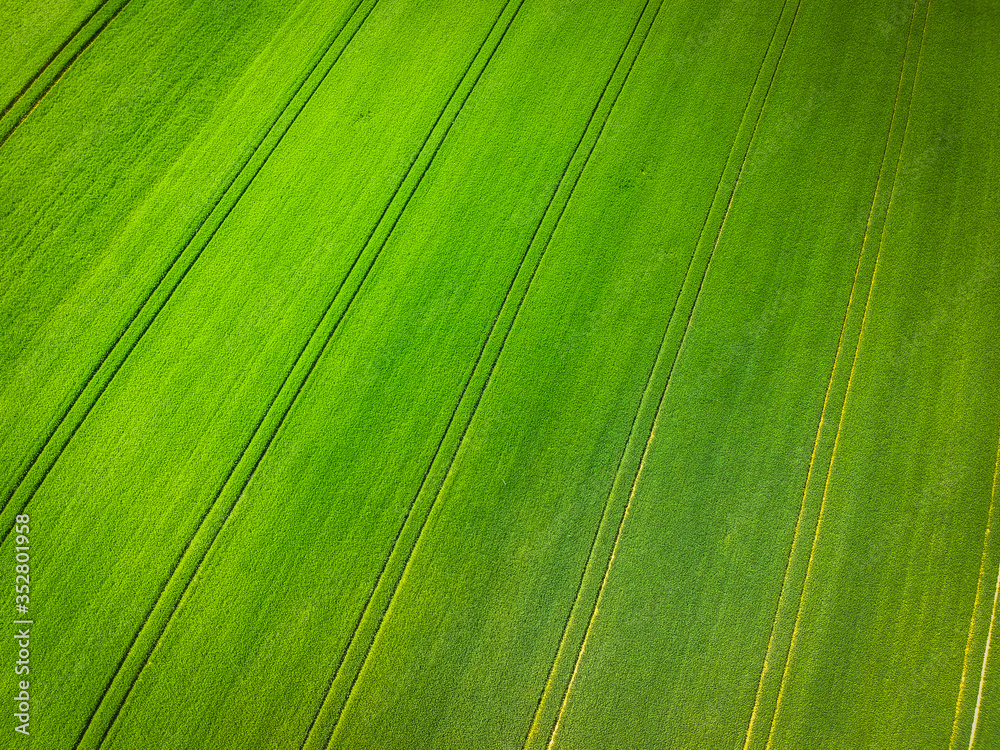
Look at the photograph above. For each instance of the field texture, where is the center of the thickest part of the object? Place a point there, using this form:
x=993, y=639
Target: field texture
x=501, y=374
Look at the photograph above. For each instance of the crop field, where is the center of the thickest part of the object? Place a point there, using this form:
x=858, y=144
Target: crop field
x=499, y=374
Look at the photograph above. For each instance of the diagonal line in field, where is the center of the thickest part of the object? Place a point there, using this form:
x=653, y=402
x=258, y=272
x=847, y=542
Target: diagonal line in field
x=385, y=563
x=486, y=381
x=989, y=632
x=212, y=234
x=208, y=544
x=532, y=727
x=45, y=66
x=770, y=652
x=802, y=506
x=850, y=379
x=986, y=654
x=152, y=307
x=987, y=535
x=592, y=553
x=62, y=72
x=687, y=326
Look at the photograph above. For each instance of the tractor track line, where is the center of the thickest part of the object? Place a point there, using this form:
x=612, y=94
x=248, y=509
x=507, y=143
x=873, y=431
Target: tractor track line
x=854, y=361
x=680, y=346
x=496, y=358
x=987, y=535
x=309, y=369
x=62, y=72
x=76, y=32
x=385, y=563
x=177, y=283
x=645, y=393
x=989, y=633
x=160, y=281
x=765, y=666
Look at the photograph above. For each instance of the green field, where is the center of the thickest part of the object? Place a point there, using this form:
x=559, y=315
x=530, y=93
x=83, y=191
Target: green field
x=501, y=374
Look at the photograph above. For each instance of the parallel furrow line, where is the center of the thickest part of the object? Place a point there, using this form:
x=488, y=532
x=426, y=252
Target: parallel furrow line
x=783, y=594
x=147, y=325
x=193, y=557
x=987, y=536
x=850, y=380
x=687, y=325
x=993, y=615
x=489, y=374
x=115, y=356
x=632, y=434
x=45, y=66
x=382, y=571
x=69, y=63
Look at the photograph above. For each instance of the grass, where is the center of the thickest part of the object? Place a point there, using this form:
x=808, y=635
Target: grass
x=125, y=224
x=39, y=39
x=938, y=442
x=513, y=374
